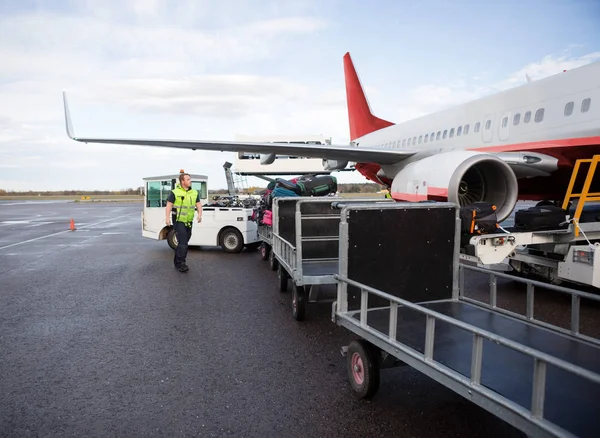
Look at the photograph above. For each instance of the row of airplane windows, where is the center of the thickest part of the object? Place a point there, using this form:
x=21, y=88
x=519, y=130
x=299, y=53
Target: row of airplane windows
x=464, y=130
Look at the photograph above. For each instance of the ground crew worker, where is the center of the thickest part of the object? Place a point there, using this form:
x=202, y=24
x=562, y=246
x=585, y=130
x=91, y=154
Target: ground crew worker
x=185, y=200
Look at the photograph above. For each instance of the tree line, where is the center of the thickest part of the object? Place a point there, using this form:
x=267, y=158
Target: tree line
x=342, y=188
x=130, y=191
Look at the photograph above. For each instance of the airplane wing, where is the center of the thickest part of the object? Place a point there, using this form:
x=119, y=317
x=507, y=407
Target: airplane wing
x=332, y=152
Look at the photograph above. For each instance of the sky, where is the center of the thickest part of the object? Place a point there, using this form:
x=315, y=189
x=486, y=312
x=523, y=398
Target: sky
x=204, y=69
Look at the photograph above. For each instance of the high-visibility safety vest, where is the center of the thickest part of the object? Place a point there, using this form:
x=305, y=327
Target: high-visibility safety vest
x=185, y=202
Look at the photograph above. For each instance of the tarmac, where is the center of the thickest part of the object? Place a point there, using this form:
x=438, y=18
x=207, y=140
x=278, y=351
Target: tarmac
x=101, y=336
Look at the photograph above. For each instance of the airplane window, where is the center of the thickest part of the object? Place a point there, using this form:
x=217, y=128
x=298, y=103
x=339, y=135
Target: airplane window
x=585, y=105
x=505, y=122
x=466, y=129
x=426, y=138
x=420, y=139
x=569, y=108
x=403, y=142
x=477, y=126
x=452, y=133
x=527, y=117
x=459, y=131
x=517, y=119
x=445, y=133
x=539, y=115
x=437, y=137
x=432, y=136
x=488, y=125
x=414, y=141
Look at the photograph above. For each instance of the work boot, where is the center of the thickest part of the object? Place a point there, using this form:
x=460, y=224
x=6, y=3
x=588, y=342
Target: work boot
x=183, y=268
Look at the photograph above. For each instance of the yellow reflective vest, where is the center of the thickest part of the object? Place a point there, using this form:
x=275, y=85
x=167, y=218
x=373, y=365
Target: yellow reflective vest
x=185, y=203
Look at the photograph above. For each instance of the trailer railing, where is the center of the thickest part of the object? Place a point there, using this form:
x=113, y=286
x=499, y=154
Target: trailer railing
x=467, y=385
x=575, y=295
x=286, y=251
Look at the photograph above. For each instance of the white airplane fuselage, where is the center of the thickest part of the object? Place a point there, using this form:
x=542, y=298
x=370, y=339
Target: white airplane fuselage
x=558, y=117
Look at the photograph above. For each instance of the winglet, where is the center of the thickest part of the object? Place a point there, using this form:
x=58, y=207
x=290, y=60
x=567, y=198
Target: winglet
x=68, y=123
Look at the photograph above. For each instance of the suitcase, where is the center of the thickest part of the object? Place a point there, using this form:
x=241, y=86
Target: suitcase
x=478, y=218
x=317, y=186
x=547, y=217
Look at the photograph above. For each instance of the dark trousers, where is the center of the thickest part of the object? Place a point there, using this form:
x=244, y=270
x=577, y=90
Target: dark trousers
x=183, y=234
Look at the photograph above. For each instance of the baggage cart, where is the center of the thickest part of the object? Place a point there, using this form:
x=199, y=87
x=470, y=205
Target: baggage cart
x=399, y=291
x=305, y=244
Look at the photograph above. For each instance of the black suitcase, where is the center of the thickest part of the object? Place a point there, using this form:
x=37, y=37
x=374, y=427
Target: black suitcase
x=547, y=217
x=478, y=218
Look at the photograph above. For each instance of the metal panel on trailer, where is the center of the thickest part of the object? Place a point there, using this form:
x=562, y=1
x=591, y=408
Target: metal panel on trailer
x=286, y=211
x=320, y=226
x=407, y=251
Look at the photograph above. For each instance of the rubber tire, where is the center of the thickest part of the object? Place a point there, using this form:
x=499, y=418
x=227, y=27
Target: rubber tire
x=298, y=302
x=172, y=239
x=368, y=388
x=231, y=232
x=282, y=278
x=273, y=263
x=265, y=250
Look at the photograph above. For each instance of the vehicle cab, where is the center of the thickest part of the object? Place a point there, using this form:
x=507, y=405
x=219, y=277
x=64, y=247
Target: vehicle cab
x=228, y=227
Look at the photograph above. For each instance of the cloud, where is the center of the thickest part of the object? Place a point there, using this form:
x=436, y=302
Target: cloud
x=429, y=98
x=186, y=69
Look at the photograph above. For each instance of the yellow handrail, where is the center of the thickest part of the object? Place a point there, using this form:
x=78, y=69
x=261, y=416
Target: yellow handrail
x=585, y=194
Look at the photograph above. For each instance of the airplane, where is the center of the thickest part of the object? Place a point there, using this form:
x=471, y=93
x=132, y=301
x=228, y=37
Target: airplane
x=517, y=144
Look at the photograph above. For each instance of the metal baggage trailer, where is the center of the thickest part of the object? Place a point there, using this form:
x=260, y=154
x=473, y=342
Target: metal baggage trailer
x=398, y=290
x=305, y=244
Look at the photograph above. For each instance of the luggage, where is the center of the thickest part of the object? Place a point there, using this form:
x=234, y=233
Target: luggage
x=478, y=218
x=547, y=217
x=280, y=192
x=317, y=186
x=268, y=217
x=289, y=185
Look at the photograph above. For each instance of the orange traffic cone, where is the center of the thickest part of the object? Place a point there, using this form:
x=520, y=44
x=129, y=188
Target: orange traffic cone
x=72, y=226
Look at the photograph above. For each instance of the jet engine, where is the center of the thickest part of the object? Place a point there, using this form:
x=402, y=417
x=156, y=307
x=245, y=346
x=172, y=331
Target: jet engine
x=459, y=176
x=334, y=164
x=267, y=158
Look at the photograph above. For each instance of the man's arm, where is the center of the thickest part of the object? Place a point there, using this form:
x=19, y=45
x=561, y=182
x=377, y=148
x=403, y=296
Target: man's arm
x=168, y=213
x=170, y=201
x=199, y=208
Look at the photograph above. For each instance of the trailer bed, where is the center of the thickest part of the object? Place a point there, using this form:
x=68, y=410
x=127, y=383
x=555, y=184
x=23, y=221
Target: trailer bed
x=570, y=401
x=312, y=268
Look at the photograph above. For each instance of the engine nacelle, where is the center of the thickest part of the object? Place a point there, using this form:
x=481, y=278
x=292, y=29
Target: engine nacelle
x=267, y=158
x=462, y=177
x=334, y=164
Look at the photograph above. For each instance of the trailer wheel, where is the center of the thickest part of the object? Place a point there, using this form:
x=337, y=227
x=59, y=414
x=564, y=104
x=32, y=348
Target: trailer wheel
x=282, y=277
x=363, y=370
x=298, y=302
x=273, y=263
x=172, y=239
x=265, y=249
x=231, y=240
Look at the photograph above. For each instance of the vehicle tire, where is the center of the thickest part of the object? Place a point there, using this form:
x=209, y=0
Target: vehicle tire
x=273, y=263
x=172, y=239
x=363, y=369
x=265, y=250
x=231, y=240
x=282, y=278
x=298, y=302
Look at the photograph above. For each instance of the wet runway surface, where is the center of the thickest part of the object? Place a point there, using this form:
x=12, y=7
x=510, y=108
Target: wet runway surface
x=100, y=335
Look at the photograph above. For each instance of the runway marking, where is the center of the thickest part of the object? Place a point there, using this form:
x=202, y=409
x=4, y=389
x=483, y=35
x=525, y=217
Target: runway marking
x=60, y=232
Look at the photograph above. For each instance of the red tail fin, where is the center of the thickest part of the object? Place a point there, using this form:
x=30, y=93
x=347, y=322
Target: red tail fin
x=362, y=121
